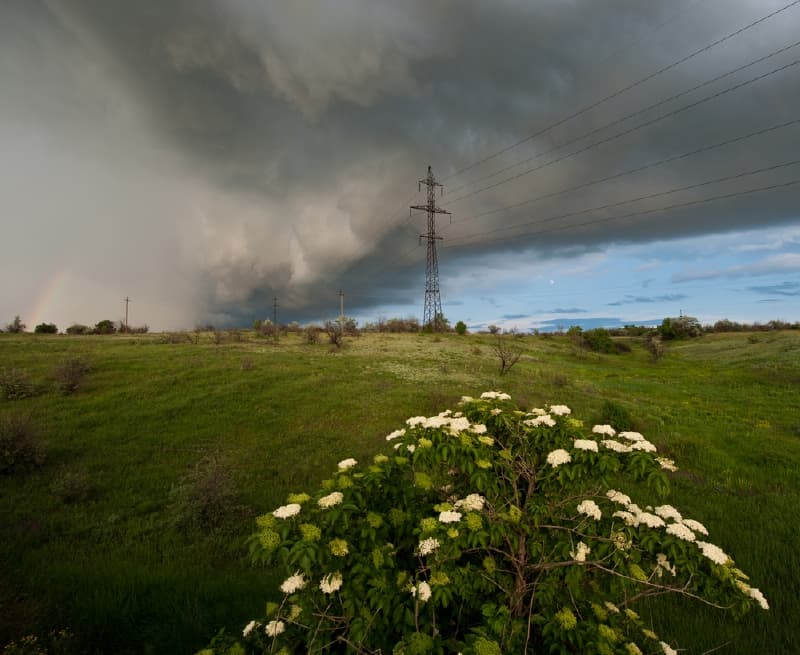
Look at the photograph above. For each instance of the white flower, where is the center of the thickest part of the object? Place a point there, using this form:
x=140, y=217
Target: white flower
x=695, y=526
x=628, y=517
x=427, y=546
x=604, y=429
x=650, y=520
x=663, y=565
x=249, y=628
x=713, y=552
x=644, y=445
x=398, y=445
x=395, y=434
x=331, y=583
x=558, y=457
x=286, y=511
x=411, y=448
x=436, y=422
x=668, y=512
x=590, y=509
x=496, y=411
x=472, y=503
x=616, y=446
x=459, y=424
x=347, y=463
x=458, y=414
x=618, y=497
x=611, y=607
x=293, y=583
x=668, y=650
x=681, y=531
x=544, y=419
x=478, y=428
x=631, y=436
x=331, y=499
x=560, y=410
x=538, y=411
x=422, y=591
x=446, y=412
x=757, y=595
x=449, y=517
x=274, y=628
x=667, y=464
x=586, y=444
x=495, y=395
x=486, y=441
x=416, y=420
x=582, y=551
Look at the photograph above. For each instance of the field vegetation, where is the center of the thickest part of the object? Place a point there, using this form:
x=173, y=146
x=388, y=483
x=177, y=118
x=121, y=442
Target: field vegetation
x=134, y=464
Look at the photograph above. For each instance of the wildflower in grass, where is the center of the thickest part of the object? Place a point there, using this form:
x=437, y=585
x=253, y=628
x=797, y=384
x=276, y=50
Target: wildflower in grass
x=338, y=547
x=331, y=583
x=427, y=546
x=449, y=517
x=274, y=628
x=667, y=464
x=758, y=596
x=544, y=419
x=618, y=497
x=293, y=583
x=495, y=395
x=649, y=634
x=347, y=463
x=416, y=420
x=580, y=553
x=644, y=445
x=472, y=503
x=331, y=499
x=616, y=446
x=393, y=435
x=287, y=511
x=604, y=429
x=668, y=512
x=310, y=532
x=590, y=509
x=422, y=591
x=713, y=552
x=631, y=436
x=249, y=628
x=586, y=444
x=681, y=531
x=667, y=649
x=558, y=457
x=650, y=520
x=560, y=410
x=695, y=526
x=486, y=441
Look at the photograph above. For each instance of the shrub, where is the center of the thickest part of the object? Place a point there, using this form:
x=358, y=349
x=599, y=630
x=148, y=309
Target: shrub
x=493, y=329
x=15, y=384
x=70, y=374
x=508, y=356
x=46, y=328
x=104, y=327
x=335, y=333
x=312, y=334
x=21, y=448
x=490, y=530
x=599, y=341
x=682, y=327
x=77, y=328
x=16, y=326
x=616, y=416
x=655, y=347
x=461, y=328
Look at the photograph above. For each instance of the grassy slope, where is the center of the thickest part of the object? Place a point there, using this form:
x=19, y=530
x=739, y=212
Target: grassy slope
x=117, y=571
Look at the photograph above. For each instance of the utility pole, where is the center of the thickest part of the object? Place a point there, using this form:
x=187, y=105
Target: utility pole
x=341, y=304
x=127, y=300
x=275, y=311
x=433, y=301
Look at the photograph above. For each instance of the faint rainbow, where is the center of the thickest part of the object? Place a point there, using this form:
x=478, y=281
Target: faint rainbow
x=44, y=300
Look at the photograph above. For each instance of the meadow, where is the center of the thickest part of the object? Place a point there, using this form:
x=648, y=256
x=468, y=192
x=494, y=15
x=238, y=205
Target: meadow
x=131, y=533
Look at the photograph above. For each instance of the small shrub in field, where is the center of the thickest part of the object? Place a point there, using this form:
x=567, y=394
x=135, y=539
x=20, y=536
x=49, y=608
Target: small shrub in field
x=21, y=448
x=484, y=531
x=16, y=326
x=77, y=328
x=15, y=384
x=72, y=485
x=655, y=347
x=461, y=328
x=508, y=356
x=46, y=328
x=335, y=333
x=70, y=374
x=105, y=326
x=599, y=341
x=312, y=334
x=616, y=416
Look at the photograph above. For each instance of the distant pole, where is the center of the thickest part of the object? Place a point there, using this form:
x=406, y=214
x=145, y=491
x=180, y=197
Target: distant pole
x=275, y=318
x=341, y=303
x=127, y=300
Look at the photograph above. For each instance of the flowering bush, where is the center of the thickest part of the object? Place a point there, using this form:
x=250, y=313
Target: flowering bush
x=485, y=531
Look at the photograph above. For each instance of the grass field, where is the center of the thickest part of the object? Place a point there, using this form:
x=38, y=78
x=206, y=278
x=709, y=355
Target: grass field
x=131, y=534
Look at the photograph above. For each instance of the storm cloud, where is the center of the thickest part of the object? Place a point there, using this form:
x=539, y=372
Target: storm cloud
x=207, y=156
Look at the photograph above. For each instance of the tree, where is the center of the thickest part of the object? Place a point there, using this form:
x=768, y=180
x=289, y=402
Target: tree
x=16, y=326
x=105, y=327
x=461, y=328
x=46, y=328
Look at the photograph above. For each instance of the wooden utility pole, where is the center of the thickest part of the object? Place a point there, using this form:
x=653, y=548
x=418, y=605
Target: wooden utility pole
x=127, y=300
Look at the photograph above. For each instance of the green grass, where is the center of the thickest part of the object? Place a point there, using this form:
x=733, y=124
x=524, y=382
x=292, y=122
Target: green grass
x=122, y=573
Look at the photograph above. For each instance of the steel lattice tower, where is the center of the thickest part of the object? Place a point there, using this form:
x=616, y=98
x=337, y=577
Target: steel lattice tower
x=433, y=301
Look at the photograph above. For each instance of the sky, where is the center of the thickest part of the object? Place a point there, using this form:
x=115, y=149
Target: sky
x=604, y=162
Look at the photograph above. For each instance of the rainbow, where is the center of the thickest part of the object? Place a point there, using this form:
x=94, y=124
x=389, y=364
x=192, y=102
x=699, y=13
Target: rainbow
x=44, y=300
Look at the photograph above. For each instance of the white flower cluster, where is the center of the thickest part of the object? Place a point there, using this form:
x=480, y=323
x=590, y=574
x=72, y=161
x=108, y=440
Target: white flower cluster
x=287, y=511
x=397, y=433
x=681, y=531
x=668, y=512
x=558, y=457
x=249, y=628
x=416, y=420
x=604, y=429
x=695, y=526
x=631, y=436
x=542, y=419
x=713, y=552
x=586, y=444
x=472, y=503
x=422, y=591
x=274, y=628
x=581, y=552
x=618, y=497
x=347, y=464
x=495, y=395
x=331, y=583
x=560, y=410
x=667, y=649
x=662, y=564
x=616, y=446
x=331, y=499
x=667, y=464
x=427, y=546
x=293, y=583
x=589, y=508
x=449, y=517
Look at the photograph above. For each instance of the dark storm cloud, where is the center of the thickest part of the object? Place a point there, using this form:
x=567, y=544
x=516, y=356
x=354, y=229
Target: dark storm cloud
x=272, y=149
x=634, y=300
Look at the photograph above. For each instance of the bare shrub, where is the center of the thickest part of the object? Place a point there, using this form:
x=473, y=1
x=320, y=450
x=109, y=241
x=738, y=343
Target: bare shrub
x=70, y=374
x=21, y=447
x=335, y=333
x=312, y=334
x=508, y=356
x=655, y=347
x=15, y=384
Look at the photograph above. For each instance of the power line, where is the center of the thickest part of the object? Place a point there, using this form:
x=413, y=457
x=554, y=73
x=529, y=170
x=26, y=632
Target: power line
x=625, y=89
x=636, y=169
x=636, y=128
x=644, y=212
x=664, y=101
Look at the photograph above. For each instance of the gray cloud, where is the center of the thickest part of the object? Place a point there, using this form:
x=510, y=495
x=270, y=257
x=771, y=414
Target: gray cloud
x=561, y=310
x=206, y=156
x=786, y=263
x=634, y=300
x=783, y=289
